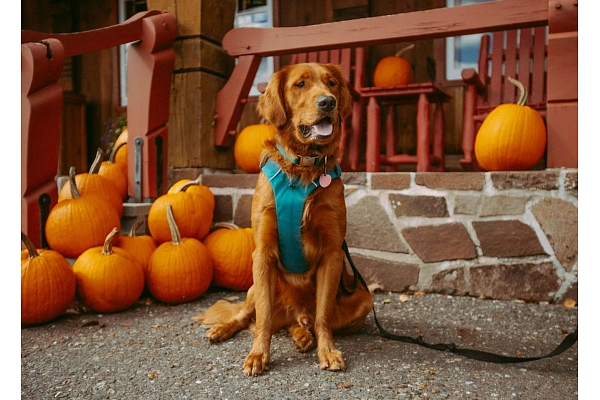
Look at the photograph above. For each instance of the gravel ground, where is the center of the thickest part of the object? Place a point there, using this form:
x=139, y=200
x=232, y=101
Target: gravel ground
x=156, y=351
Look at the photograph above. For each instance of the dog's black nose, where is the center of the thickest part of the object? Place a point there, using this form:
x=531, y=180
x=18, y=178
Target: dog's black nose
x=326, y=103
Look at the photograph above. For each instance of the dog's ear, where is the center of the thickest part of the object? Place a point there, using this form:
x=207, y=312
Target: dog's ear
x=271, y=104
x=345, y=100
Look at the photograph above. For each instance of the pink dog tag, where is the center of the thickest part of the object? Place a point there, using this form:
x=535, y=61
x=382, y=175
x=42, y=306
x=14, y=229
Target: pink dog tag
x=325, y=180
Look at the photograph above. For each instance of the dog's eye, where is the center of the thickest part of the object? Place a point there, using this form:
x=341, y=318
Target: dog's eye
x=332, y=83
x=301, y=84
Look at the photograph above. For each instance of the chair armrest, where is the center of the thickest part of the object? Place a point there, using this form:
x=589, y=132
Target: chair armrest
x=471, y=77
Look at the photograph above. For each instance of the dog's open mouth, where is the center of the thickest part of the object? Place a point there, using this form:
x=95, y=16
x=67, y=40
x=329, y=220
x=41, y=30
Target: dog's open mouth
x=323, y=128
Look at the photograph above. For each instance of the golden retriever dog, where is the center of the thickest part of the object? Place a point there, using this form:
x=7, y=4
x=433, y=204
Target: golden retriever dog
x=299, y=268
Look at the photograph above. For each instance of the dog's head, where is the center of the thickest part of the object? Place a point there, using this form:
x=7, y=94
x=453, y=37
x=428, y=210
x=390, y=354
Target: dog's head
x=309, y=102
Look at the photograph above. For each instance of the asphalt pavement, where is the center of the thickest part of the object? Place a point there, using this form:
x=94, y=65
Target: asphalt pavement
x=156, y=351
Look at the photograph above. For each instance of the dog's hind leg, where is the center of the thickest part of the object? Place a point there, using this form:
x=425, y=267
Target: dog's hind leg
x=227, y=319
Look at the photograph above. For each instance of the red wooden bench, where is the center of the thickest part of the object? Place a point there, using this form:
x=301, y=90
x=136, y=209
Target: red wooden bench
x=150, y=65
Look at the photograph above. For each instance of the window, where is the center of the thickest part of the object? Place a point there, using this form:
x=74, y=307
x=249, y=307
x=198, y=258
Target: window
x=461, y=51
x=256, y=13
x=127, y=9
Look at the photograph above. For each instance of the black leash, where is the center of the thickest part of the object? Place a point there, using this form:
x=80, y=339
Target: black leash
x=567, y=342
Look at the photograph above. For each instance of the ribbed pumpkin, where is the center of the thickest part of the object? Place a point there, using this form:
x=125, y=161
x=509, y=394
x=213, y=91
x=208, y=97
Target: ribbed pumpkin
x=115, y=172
x=206, y=200
x=249, y=145
x=93, y=183
x=511, y=137
x=180, y=270
x=47, y=284
x=79, y=222
x=140, y=247
x=121, y=156
x=108, y=278
x=231, y=249
x=192, y=214
x=393, y=70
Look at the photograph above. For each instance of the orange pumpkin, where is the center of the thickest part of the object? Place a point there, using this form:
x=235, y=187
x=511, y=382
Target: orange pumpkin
x=79, y=222
x=393, y=70
x=115, y=172
x=231, y=250
x=204, y=191
x=121, y=156
x=140, y=247
x=93, y=183
x=47, y=284
x=511, y=137
x=249, y=145
x=192, y=215
x=108, y=278
x=180, y=270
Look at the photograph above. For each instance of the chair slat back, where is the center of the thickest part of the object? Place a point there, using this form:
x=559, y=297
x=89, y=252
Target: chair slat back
x=520, y=54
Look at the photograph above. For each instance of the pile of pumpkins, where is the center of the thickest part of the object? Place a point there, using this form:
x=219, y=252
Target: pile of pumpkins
x=182, y=257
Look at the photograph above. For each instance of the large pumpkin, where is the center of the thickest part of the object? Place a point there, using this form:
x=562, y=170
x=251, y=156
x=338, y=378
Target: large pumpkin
x=193, y=215
x=249, y=145
x=47, y=284
x=180, y=270
x=93, y=183
x=511, y=137
x=79, y=222
x=393, y=70
x=231, y=249
x=108, y=278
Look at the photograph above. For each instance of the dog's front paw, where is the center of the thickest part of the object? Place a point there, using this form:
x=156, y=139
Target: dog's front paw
x=256, y=363
x=331, y=359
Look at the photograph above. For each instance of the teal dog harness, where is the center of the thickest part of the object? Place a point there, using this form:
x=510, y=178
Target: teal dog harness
x=290, y=196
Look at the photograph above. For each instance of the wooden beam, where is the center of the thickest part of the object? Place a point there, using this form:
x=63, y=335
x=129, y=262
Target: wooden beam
x=427, y=24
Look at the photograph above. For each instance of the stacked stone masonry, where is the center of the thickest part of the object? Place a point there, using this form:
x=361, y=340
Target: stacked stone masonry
x=499, y=235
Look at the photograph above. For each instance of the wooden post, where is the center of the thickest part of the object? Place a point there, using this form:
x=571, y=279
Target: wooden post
x=41, y=110
x=202, y=68
x=561, y=115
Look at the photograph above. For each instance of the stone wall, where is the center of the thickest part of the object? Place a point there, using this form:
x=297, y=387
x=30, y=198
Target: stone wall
x=500, y=235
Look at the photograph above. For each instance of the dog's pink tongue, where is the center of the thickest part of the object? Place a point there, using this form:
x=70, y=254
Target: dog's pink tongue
x=322, y=129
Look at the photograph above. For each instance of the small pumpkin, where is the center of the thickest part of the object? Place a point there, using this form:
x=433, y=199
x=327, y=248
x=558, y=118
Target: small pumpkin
x=180, y=270
x=93, y=183
x=249, y=145
x=108, y=278
x=192, y=214
x=47, y=284
x=140, y=247
x=115, y=172
x=231, y=249
x=512, y=136
x=79, y=222
x=393, y=70
x=121, y=156
x=204, y=191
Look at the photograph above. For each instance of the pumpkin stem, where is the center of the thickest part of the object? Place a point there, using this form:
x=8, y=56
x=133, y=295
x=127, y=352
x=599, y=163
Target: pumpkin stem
x=97, y=162
x=228, y=225
x=186, y=185
x=173, y=226
x=72, y=185
x=113, y=153
x=134, y=228
x=522, y=91
x=107, y=248
x=29, y=245
x=198, y=180
x=405, y=49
